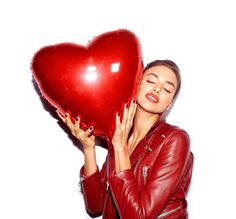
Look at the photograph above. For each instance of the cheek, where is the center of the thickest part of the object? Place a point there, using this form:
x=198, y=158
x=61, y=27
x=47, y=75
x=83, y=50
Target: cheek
x=166, y=100
x=141, y=95
x=145, y=87
x=141, y=90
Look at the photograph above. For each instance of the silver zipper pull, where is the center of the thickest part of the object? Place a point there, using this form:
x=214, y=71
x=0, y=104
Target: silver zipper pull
x=81, y=185
x=107, y=186
x=148, y=148
x=145, y=169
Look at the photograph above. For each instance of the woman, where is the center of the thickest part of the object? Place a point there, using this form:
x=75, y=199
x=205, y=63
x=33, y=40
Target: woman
x=148, y=171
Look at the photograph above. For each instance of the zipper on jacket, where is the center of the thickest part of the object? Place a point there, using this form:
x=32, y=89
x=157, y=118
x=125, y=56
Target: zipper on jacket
x=80, y=187
x=82, y=191
x=145, y=169
x=107, y=185
x=168, y=212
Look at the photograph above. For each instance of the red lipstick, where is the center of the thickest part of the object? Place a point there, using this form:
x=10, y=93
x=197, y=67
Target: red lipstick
x=152, y=97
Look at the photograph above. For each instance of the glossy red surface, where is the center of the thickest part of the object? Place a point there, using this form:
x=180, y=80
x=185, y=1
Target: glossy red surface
x=91, y=81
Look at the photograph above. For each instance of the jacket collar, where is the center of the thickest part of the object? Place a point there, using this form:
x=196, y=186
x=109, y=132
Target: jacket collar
x=143, y=146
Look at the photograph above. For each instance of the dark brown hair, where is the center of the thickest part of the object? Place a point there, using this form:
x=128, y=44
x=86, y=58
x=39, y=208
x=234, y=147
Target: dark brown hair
x=169, y=64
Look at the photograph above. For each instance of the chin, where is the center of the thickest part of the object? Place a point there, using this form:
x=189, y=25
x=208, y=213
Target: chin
x=149, y=108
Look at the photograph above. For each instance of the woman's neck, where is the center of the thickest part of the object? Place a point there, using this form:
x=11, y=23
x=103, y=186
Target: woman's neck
x=143, y=121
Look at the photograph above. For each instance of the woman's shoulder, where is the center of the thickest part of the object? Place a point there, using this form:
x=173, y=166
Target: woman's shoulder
x=165, y=132
x=174, y=138
x=173, y=129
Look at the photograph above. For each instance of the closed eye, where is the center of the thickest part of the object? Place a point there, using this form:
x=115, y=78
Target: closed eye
x=152, y=82
x=168, y=91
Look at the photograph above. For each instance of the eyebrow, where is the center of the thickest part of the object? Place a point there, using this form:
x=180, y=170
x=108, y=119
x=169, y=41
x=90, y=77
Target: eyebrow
x=156, y=76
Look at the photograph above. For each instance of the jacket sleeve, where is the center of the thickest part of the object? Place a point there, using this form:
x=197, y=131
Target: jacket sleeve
x=165, y=176
x=93, y=188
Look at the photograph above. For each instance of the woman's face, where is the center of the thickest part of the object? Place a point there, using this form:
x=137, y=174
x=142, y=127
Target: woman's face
x=157, y=89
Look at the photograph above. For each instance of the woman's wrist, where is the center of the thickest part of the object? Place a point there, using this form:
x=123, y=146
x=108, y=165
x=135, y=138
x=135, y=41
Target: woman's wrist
x=90, y=163
x=119, y=147
x=121, y=150
x=89, y=150
x=122, y=160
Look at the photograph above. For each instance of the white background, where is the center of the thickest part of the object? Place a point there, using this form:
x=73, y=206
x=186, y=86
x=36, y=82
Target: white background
x=39, y=165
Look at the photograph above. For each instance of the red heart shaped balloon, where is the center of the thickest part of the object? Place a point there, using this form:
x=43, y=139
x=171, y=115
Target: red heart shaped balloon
x=92, y=81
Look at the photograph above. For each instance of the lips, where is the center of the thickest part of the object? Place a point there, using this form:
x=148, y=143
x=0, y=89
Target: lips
x=152, y=97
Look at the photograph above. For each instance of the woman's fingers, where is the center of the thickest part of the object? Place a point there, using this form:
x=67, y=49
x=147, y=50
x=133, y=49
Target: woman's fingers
x=68, y=120
x=133, y=110
x=129, y=115
x=125, y=117
x=117, y=121
x=118, y=133
x=60, y=116
x=70, y=124
x=77, y=124
x=88, y=132
x=85, y=137
x=130, y=118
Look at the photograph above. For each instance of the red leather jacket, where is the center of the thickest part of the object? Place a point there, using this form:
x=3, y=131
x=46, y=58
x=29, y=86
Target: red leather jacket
x=155, y=187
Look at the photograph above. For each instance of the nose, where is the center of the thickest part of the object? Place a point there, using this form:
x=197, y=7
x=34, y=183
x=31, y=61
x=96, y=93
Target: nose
x=156, y=90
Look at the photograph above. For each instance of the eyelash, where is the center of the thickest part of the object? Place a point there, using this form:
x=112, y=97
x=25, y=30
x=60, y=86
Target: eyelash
x=167, y=90
x=154, y=83
x=150, y=82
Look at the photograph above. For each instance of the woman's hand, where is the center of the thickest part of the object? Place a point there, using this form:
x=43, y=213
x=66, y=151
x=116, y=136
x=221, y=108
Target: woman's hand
x=120, y=137
x=122, y=130
x=86, y=138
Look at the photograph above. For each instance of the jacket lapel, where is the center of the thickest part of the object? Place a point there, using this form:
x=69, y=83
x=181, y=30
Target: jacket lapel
x=144, y=145
x=139, y=151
